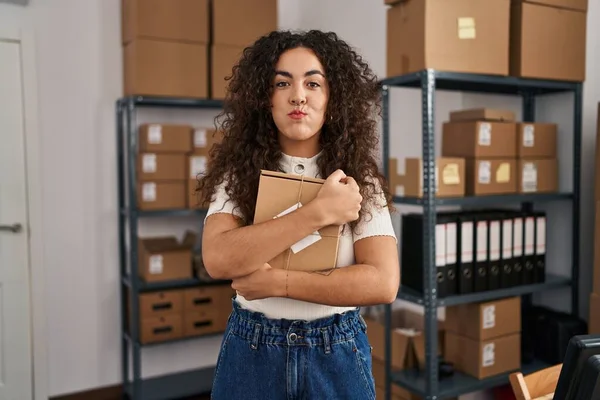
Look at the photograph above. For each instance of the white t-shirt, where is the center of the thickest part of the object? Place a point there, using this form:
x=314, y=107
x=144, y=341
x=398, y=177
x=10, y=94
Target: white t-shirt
x=379, y=225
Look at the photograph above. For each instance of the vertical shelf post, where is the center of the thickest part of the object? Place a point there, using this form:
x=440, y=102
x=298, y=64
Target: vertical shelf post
x=577, y=116
x=428, y=87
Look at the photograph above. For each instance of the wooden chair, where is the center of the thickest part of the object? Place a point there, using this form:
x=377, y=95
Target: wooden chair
x=539, y=385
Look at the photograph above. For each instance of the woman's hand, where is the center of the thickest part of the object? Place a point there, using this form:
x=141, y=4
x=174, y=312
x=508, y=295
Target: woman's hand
x=263, y=283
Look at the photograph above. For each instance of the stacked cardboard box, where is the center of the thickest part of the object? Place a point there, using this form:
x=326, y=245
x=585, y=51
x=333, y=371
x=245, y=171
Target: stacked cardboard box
x=174, y=314
x=181, y=48
x=235, y=25
x=501, y=155
x=165, y=259
x=594, y=320
x=408, y=344
x=484, y=339
x=165, y=47
x=171, y=159
x=526, y=38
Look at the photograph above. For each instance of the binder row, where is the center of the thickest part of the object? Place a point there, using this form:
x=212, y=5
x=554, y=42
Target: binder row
x=477, y=251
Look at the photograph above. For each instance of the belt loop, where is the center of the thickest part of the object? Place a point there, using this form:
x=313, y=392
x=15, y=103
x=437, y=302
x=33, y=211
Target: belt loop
x=257, y=328
x=326, y=341
x=362, y=321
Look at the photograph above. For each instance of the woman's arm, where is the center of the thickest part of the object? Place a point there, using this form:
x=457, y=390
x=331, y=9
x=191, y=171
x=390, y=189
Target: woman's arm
x=373, y=280
x=230, y=250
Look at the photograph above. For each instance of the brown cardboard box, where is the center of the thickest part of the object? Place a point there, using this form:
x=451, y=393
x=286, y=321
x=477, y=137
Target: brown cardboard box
x=479, y=139
x=408, y=341
x=163, y=68
x=483, y=321
x=451, y=35
x=204, y=139
x=488, y=176
x=482, y=114
x=161, y=167
x=223, y=58
x=597, y=156
x=240, y=23
x=594, y=322
x=179, y=20
x=160, y=329
x=482, y=359
x=164, y=258
x=161, y=195
x=410, y=184
x=206, y=309
x=580, y=5
x=536, y=140
x=165, y=138
x=547, y=42
x=280, y=193
x=537, y=175
x=160, y=304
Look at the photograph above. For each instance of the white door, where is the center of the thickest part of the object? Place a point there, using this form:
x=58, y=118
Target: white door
x=15, y=323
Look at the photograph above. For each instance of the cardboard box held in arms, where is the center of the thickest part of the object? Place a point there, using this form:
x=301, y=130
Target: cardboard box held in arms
x=280, y=194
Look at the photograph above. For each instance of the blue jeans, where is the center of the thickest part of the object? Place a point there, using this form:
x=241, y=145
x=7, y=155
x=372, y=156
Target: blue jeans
x=261, y=358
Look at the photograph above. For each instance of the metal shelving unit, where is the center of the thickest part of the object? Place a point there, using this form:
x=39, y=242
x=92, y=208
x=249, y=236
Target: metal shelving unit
x=177, y=385
x=427, y=383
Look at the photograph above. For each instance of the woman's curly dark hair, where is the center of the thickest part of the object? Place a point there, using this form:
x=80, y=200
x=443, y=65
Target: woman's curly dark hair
x=349, y=138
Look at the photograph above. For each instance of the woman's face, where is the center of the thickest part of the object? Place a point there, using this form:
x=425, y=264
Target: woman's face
x=299, y=101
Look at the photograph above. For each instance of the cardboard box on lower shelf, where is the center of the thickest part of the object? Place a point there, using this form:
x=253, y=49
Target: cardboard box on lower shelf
x=479, y=139
x=165, y=138
x=279, y=194
x=160, y=329
x=536, y=140
x=408, y=340
x=482, y=321
x=164, y=258
x=161, y=167
x=161, y=195
x=450, y=182
x=483, y=359
x=537, y=175
x=487, y=176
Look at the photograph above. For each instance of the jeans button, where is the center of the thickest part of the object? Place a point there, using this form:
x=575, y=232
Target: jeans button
x=293, y=337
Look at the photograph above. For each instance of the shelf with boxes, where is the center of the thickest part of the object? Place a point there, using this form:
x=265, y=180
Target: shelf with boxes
x=166, y=295
x=494, y=168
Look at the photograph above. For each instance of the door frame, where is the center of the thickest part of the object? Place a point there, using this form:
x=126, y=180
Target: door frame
x=34, y=207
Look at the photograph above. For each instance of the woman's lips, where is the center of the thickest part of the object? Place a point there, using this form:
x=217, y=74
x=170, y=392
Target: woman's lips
x=297, y=114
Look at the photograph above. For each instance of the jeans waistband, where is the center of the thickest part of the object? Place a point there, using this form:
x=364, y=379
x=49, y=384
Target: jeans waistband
x=258, y=329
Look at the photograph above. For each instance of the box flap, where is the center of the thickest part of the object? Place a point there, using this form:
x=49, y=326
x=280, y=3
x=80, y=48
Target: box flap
x=482, y=114
x=164, y=244
x=291, y=176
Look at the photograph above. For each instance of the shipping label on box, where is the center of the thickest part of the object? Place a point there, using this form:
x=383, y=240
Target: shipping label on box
x=164, y=258
x=279, y=194
x=450, y=182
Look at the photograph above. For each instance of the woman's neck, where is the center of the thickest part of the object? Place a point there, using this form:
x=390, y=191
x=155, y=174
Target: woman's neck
x=305, y=148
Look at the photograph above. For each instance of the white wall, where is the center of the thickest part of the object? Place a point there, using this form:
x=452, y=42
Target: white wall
x=79, y=68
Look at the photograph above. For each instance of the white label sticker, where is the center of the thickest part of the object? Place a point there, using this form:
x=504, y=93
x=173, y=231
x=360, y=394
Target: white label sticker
x=197, y=166
x=200, y=138
x=507, y=239
x=149, y=191
x=149, y=163
x=484, y=172
x=156, y=264
x=529, y=236
x=485, y=134
x=482, y=234
x=489, y=356
x=529, y=177
x=528, y=136
x=155, y=134
x=489, y=317
x=308, y=240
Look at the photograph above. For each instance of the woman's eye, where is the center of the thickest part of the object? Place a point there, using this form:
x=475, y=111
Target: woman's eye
x=313, y=84
x=280, y=84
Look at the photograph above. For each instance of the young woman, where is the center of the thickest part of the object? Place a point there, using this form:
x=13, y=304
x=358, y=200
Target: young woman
x=304, y=104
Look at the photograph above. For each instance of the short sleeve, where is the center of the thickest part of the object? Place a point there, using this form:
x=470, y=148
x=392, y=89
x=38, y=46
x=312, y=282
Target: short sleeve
x=221, y=203
x=378, y=220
